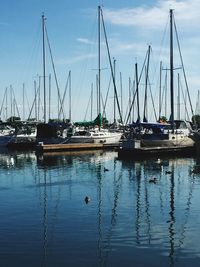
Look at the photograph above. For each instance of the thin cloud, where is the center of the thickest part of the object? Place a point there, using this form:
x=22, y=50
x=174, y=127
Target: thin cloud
x=75, y=59
x=85, y=41
x=155, y=17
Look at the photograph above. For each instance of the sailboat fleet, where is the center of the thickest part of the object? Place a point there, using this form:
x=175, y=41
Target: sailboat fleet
x=139, y=137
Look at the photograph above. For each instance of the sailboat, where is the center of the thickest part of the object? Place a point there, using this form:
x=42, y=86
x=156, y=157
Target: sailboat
x=160, y=138
x=54, y=132
x=97, y=134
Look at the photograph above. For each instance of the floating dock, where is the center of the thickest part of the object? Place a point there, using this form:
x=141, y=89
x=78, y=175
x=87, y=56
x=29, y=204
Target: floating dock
x=150, y=152
x=42, y=148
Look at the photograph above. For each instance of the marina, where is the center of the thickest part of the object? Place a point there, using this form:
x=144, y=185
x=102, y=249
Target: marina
x=100, y=143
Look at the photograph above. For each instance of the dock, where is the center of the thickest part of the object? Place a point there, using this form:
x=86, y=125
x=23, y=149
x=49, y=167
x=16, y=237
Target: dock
x=150, y=152
x=42, y=148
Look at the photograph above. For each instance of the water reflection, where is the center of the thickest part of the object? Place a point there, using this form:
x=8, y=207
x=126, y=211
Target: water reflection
x=15, y=160
x=128, y=219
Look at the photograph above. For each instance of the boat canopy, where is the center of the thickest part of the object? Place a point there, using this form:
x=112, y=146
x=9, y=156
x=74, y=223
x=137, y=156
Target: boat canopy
x=97, y=121
x=149, y=125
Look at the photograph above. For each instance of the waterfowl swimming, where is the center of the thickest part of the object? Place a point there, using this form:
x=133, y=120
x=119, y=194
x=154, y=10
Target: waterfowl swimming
x=153, y=180
x=87, y=199
x=105, y=170
x=168, y=172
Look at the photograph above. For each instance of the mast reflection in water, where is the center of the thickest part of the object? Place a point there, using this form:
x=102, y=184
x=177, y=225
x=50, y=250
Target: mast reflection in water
x=143, y=213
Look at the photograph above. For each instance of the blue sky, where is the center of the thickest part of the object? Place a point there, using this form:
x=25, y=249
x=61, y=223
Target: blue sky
x=72, y=29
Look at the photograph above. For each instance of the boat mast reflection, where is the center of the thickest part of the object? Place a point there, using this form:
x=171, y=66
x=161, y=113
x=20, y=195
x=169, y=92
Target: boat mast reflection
x=171, y=219
x=104, y=242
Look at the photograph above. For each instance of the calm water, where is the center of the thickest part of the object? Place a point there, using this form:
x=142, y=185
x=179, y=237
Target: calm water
x=128, y=222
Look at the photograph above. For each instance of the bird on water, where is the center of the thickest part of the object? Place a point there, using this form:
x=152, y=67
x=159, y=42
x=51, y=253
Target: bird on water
x=87, y=199
x=153, y=180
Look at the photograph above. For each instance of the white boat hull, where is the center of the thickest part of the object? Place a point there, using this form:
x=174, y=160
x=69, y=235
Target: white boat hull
x=105, y=138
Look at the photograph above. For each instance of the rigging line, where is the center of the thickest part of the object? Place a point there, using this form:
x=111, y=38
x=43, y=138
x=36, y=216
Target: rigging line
x=184, y=99
x=54, y=71
x=66, y=86
x=33, y=103
x=3, y=101
x=163, y=93
x=27, y=100
x=113, y=78
x=136, y=91
x=152, y=100
x=104, y=106
x=103, y=103
x=15, y=102
x=130, y=109
x=184, y=74
x=128, y=104
x=146, y=82
x=87, y=108
x=161, y=46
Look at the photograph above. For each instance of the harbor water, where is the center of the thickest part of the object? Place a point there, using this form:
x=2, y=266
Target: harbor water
x=137, y=213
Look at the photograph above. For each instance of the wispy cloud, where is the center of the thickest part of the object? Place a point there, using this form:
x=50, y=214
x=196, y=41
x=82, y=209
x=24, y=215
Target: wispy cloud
x=75, y=59
x=154, y=17
x=85, y=41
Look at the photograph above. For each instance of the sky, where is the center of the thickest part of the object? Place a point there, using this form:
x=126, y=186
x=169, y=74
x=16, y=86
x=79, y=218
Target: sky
x=131, y=26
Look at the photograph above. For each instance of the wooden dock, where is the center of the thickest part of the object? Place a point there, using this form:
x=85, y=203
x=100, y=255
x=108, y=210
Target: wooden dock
x=150, y=152
x=42, y=148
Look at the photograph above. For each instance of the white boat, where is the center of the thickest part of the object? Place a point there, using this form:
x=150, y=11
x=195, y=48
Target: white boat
x=96, y=136
x=161, y=135
x=166, y=143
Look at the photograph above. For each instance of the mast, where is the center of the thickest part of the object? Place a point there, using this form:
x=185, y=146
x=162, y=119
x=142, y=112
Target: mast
x=121, y=94
x=178, y=100
x=137, y=90
x=111, y=67
x=70, y=97
x=35, y=89
x=6, y=103
x=11, y=102
x=23, y=101
x=91, y=101
x=171, y=69
x=99, y=60
x=44, y=67
x=129, y=98
x=146, y=84
x=160, y=90
x=49, y=96
x=114, y=71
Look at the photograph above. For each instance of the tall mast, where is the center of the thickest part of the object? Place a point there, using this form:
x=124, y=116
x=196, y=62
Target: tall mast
x=44, y=69
x=121, y=94
x=23, y=101
x=114, y=70
x=91, y=101
x=178, y=100
x=171, y=69
x=99, y=60
x=49, y=96
x=35, y=88
x=160, y=90
x=146, y=84
x=70, y=97
x=137, y=90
